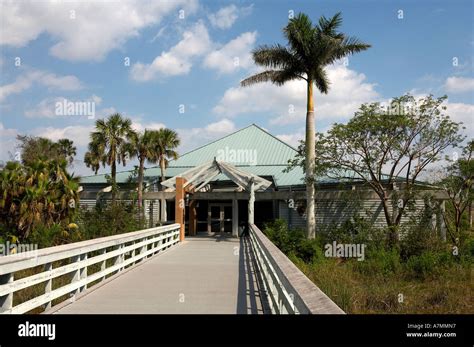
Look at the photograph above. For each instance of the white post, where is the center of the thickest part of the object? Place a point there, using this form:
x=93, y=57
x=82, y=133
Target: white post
x=251, y=202
x=163, y=216
x=83, y=272
x=49, y=284
x=235, y=218
x=6, y=301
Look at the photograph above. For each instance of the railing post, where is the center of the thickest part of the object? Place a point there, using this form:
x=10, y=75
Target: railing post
x=83, y=272
x=118, y=258
x=76, y=276
x=49, y=284
x=103, y=265
x=133, y=251
x=143, y=250
x=6, y=301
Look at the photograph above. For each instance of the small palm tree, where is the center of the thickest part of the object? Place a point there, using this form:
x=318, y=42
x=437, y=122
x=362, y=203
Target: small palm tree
x=109, y=146
x=166, y=142
x=143, y=146
x=66, y=149
x=310, y=49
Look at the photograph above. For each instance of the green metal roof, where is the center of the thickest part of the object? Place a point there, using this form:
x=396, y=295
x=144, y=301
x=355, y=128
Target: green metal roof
x=252, y=149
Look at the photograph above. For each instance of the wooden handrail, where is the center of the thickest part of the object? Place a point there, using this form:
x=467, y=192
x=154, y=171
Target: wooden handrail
x=77, y=257
x=288, y=290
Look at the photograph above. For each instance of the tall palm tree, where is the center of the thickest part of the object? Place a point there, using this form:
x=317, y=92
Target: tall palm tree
x=109, y=145
x=167, y=141
x=143, y=146
x=310, y=49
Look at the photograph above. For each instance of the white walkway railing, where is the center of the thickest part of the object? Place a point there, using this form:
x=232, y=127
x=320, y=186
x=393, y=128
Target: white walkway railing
x=69, y=266
x=287, y=289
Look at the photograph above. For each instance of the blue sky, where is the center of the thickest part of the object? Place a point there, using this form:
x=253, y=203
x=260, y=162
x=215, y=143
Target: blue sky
x=183, y=56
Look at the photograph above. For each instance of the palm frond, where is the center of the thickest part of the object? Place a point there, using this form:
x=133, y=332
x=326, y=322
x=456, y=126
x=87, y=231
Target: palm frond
x=274, y=57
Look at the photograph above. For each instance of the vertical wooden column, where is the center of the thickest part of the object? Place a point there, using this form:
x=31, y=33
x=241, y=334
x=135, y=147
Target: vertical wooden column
x=179, y=205
x=192, y=217
x=235, y=218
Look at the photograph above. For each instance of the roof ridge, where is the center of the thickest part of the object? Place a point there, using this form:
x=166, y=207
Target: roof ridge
x=208, y=144
x=276, y=138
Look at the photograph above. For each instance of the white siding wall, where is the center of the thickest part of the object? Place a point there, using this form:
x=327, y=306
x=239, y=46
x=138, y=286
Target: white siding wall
x=337, y=211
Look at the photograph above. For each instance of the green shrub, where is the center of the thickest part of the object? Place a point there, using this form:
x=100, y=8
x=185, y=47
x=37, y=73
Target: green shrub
x=110, y=220
x=423, y=265
x=292, y=242
x=379, y=261
x=355, y=230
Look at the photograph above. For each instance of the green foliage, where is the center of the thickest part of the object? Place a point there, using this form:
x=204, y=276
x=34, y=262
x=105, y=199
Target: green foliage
x=41, y=194
x=379, y=261
x=108, y=220
x=310, y=49
x=354, y=230
x=423, y=265
x=42, y=149
x=293, y=242
x=404, y=138
x=458, y=183
x=56, y=234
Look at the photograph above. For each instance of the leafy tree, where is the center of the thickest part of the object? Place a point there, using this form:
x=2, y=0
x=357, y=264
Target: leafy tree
x=109, y=146
x=40, y=195
x=40, y=148
x=458, y=184
x=388, y=149
x=310, y=49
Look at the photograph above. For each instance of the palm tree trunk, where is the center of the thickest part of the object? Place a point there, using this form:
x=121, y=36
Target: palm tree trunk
x=162, y=167
x=310, y=165
x=140, y=183
x=114, y=185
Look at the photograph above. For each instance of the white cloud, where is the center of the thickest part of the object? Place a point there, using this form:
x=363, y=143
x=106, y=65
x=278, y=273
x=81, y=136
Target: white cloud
x=192, y=138
x=138, y=126
x=226, y=16
x=179, y=59
x=464, y=113
x=46, y=108
x=292, y=139
x=459, y=84
x=43, y=78
x=79, y=134
x=7, y=142
x=83, y=30
x=233, y=55
x=348, y=90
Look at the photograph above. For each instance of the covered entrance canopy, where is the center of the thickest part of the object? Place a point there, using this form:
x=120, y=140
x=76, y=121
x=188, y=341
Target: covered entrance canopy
x=197, y=179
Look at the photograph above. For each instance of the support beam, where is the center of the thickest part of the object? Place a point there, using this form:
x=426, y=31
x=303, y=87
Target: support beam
x=251, y=203
x=235, y=218
x=179, y=205
x=192, y=217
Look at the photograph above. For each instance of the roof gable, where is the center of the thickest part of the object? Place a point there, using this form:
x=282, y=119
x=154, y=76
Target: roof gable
x=248, y=146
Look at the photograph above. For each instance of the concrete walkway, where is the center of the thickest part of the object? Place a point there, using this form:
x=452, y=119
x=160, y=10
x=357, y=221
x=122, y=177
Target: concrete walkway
x=204, y=274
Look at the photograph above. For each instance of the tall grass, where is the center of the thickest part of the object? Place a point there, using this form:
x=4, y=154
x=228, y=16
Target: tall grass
x=421, y=277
